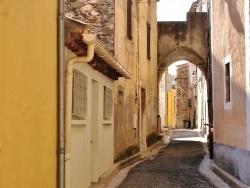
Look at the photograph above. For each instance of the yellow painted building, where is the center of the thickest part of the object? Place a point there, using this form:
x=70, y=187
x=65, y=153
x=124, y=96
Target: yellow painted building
x=28, y=96
x=171, y=108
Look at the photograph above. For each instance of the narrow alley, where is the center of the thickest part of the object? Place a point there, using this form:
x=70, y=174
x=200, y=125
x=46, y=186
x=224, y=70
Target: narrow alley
x=175, y=165
x=124, y=93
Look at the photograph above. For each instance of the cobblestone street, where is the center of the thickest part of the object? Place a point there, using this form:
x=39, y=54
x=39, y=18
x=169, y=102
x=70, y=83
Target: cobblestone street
x=175, y=166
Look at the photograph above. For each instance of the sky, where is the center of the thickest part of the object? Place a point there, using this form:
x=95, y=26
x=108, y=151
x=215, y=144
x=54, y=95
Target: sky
x=172, y=68
x=173, y=10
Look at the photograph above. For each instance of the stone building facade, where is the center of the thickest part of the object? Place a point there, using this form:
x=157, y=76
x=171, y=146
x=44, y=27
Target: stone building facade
x=182, y=94
x=129, y=30
x=136, y=100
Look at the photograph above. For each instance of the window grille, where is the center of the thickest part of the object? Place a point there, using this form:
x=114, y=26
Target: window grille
x=108, y=103
x=79, y=99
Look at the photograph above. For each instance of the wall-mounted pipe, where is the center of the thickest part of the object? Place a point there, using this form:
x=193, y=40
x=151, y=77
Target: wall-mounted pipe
x=90, y=40
x=94, y=45
x=60, y=91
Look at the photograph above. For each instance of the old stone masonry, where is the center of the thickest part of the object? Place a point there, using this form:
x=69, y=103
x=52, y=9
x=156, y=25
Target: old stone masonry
x=99, y=14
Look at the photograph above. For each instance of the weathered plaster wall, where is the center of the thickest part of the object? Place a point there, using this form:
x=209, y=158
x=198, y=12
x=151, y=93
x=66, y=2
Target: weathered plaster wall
x=148, y=68
x=230, y=129
x=108, y=21
x=131, y=127
x=247, y=41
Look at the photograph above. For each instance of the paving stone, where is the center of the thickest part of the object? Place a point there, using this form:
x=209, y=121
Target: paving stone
x=176, y=166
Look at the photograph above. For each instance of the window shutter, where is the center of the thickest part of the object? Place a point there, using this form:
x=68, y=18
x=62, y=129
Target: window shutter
x=129, y=19
x=148, y=41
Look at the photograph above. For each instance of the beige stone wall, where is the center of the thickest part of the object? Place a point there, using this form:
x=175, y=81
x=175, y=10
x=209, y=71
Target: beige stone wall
x=228, y=39
x=135, y=118
x=91, y=138
x=163, y=100
x=183, y=41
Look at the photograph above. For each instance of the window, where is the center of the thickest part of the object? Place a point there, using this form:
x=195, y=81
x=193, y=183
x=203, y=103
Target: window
x=120, y=97
x=79, y=96
x=107, y=103
x=190, y=103
x=227, y=83
x=148, y=41
x=129, y=19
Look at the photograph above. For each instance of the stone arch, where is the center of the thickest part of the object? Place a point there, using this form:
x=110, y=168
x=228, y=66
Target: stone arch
x=181, y=53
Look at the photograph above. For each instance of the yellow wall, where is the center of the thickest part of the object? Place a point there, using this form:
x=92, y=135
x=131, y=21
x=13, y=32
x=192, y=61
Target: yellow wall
x=28, y=117
x=171, y=108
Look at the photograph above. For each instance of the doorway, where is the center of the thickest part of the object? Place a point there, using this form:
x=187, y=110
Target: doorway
x=143, y=144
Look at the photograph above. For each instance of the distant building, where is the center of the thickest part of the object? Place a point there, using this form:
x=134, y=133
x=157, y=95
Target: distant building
x=182, y=83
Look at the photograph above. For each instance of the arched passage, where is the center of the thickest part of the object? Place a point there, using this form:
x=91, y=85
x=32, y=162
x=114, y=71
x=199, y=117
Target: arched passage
x=181, y=53
x=184, y=41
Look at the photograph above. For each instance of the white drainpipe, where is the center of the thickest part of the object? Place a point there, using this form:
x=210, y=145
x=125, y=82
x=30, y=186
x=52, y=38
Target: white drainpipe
x=90, y=40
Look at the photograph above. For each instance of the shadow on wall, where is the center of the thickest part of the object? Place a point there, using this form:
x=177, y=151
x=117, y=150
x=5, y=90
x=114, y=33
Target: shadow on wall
x=235, y=16
x=223, y=159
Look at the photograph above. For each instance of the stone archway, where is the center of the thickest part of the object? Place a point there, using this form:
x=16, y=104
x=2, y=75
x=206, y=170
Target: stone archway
x=181, y=53
x=183, y=41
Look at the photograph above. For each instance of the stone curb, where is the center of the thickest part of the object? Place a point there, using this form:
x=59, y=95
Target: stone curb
x=229, y=179
x=205, y=169
x=218, y=177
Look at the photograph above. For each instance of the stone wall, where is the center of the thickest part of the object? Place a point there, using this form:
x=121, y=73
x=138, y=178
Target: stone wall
x=182, y=96
x=100, y=16
x=183, y=41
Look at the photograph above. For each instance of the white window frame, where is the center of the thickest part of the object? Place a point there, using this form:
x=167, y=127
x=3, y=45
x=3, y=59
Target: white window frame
x=227, y=105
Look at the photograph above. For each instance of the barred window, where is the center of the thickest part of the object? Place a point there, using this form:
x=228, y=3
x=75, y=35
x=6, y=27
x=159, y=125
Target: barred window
x=108, y=103
x=79, y=97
